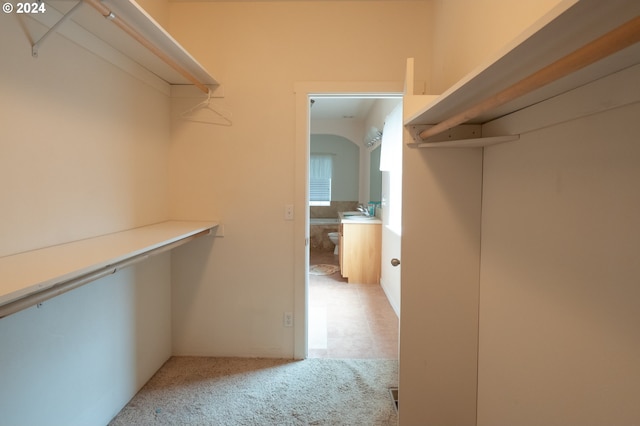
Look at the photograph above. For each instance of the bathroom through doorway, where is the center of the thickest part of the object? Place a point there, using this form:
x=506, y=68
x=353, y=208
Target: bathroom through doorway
x=349, y=319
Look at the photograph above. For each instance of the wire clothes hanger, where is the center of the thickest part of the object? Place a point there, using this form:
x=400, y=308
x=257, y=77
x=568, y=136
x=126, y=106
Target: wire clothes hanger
x=213, y=116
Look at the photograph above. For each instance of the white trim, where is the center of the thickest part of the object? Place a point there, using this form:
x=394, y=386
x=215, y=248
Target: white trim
x=394, y=304
x=302, y=91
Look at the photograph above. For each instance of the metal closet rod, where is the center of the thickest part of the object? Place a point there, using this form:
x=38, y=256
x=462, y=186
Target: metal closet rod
x=107, y=13
x=73, y=283
x=624, y=36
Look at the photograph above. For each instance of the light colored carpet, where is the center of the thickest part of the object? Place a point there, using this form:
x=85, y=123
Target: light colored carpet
x=241, y=391
x=323, y=269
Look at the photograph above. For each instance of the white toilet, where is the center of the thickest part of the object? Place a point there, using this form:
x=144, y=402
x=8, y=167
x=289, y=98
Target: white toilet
x=335, y=239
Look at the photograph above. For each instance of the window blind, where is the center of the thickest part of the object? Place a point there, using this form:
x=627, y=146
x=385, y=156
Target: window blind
x=320, y=174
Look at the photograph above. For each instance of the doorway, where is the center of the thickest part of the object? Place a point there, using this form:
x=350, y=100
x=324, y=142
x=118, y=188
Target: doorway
x=346, y=320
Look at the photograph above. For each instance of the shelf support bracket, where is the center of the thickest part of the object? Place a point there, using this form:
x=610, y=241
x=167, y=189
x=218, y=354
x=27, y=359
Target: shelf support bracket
x=37, y=44
x=461, y=136
x=462, y=131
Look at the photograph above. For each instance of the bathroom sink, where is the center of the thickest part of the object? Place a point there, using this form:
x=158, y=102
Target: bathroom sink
x=356, y=215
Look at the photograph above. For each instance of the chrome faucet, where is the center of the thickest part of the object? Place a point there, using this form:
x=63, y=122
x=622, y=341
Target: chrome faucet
x=362, y=209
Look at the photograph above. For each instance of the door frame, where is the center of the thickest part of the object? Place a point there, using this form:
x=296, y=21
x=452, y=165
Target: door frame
x=303, y=91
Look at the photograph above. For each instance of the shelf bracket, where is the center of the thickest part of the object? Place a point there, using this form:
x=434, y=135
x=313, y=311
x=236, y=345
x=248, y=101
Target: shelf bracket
x=37, y=44
x=462, y=136
x=463, y=131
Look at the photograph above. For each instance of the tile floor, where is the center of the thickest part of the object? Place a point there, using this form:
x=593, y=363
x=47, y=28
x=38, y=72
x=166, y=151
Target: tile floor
x=349, y=320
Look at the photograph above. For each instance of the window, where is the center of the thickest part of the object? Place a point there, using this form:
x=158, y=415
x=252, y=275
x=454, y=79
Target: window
x=320, y=173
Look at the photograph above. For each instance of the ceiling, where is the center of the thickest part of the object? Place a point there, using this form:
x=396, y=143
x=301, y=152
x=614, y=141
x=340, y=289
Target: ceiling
x=333, y=107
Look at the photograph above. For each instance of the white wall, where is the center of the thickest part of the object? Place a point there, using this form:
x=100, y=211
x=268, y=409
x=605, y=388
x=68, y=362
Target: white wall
x=245, y=174
x=440, y=266
x=559, y=286
x=557, y=335
x=83, y=151
x=80, y=357
x=391, y=240
x=442, y=229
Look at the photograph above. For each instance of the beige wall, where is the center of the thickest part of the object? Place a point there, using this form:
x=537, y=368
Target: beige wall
x=86, y=149
x=83, y=151
x=245, y=174
x=556, y=339
x=158, y=10
x=84, y=146
x=468, y=32
x=559, y=284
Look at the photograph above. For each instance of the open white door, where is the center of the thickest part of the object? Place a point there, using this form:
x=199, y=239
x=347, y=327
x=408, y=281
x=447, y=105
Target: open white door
x=391, y=166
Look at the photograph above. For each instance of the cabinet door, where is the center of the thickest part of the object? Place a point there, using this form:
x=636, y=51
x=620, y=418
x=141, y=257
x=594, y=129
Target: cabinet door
x=361, y=252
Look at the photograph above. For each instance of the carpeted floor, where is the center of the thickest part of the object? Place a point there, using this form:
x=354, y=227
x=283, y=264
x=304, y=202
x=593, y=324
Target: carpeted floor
x=240, y=391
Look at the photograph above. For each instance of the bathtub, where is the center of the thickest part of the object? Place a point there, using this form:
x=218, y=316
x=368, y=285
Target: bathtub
x=323, y=221
x=319, y=228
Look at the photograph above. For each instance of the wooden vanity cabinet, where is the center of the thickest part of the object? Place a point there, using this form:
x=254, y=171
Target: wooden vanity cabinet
x=360, y=248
